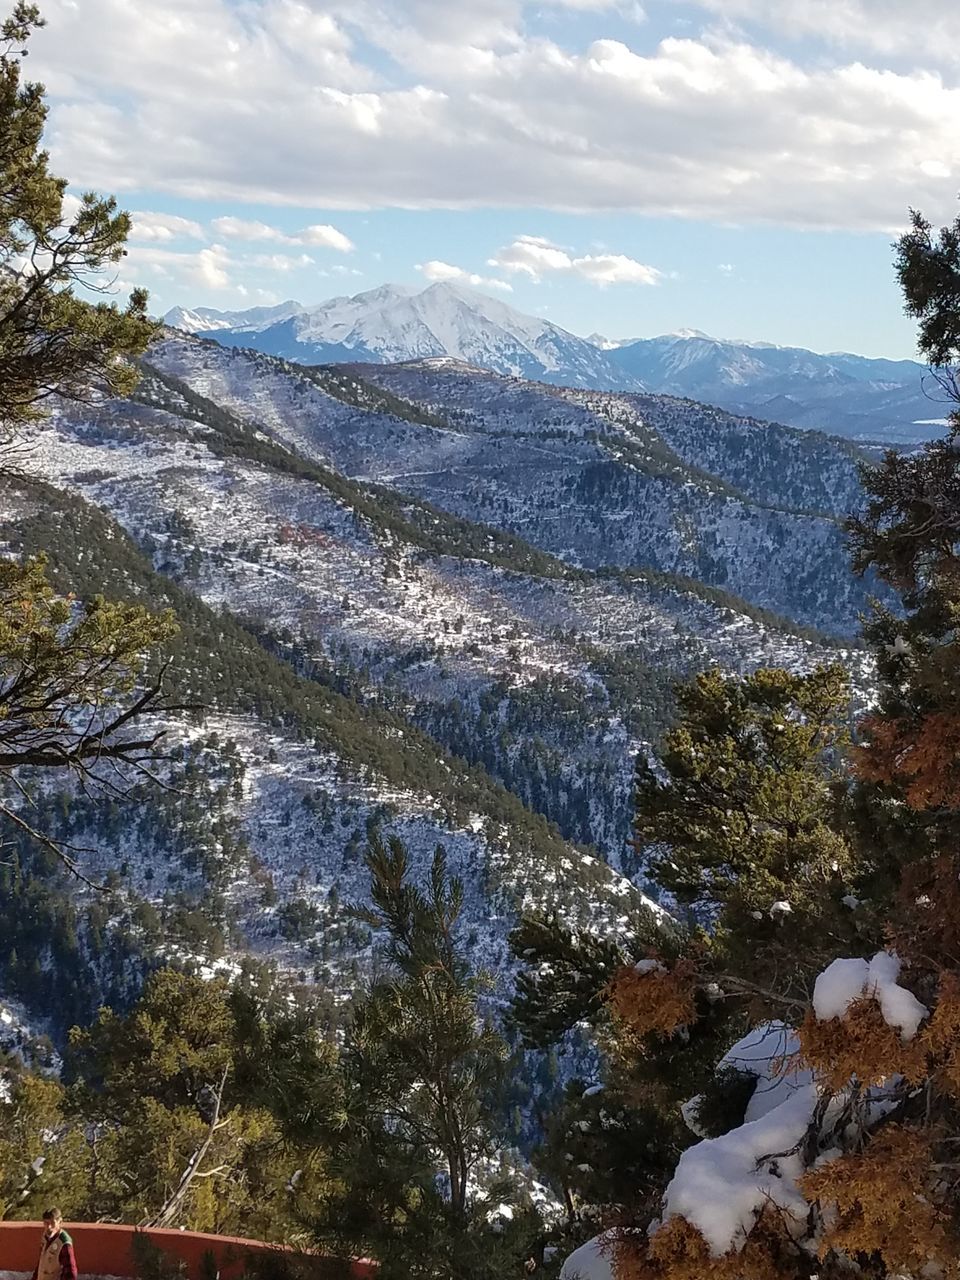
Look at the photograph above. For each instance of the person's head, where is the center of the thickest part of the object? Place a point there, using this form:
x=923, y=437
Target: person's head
x=52, y=1221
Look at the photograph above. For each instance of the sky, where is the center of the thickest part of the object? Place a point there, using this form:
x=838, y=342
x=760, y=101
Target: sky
x=735, y=166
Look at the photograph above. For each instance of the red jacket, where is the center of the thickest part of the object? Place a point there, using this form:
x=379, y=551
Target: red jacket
x=66, y=1259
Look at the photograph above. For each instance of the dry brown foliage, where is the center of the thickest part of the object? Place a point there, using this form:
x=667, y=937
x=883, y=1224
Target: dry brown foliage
x=859, y=1046
x=926, y=921
x=654, y=1003
x=923, y=757
x=941, y=1036
x=884, y=1204
x=679, y=1252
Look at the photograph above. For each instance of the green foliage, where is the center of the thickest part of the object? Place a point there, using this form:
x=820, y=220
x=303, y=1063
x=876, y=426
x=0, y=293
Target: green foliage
x=566, y=971
x=52, y=341
x=928, y=268
x=185, y=1123
x=909, y=534
x=430, y=1061
x=42, y=1155
x=421, y=1070
x=722, y=1104
x=71, y=681
x=609, y=1148
x=58, y=953
x=67, y=676
x=175, y=1043
x=742, y=815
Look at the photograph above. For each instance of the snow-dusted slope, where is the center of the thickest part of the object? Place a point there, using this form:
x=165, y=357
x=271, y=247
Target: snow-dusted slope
x=844, y=394
x=287, y=498
x=208, y=319
x=446, y=636
x=595, y=480
x=397, y=323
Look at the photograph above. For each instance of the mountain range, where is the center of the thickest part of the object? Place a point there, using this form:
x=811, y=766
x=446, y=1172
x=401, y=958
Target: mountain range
x=843, y=394
x=421, y=598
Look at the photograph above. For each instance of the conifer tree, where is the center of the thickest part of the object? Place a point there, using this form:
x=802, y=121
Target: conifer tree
x=843, y=1160
x=178, y=1127
x=72, y=677
x=54, y=342
x=742, y=814
x=422, y=1072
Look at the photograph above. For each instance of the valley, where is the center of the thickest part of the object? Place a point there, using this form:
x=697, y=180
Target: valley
x=427, y=601
x=867, y=400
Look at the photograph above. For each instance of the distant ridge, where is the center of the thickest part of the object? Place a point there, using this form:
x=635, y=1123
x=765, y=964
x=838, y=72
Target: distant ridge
x=841, y=393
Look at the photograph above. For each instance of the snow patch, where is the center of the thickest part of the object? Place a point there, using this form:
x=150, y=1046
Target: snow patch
x=847, y=980
x=592, y=1261
x=722, y=1184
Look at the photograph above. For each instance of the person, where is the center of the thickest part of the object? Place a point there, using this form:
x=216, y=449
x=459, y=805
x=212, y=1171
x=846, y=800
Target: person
x=57, y=1260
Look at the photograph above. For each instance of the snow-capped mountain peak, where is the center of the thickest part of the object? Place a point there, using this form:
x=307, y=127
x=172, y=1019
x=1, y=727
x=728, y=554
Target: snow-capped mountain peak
x=394, y=323
x=208, y=319
x=397, y=323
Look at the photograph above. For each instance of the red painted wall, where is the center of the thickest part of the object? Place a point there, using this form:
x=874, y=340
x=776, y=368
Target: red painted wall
x=105, y=1250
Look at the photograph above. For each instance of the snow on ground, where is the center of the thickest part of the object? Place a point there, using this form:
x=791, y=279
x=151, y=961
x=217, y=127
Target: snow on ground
x=433, y=630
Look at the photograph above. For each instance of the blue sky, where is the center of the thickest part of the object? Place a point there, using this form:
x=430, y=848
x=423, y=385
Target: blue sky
x=736, y=166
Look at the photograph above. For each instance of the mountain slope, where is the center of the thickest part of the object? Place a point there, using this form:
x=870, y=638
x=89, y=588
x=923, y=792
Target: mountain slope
x=592, y=484
x=845, y=394
x=395, y=323
x=373, y=660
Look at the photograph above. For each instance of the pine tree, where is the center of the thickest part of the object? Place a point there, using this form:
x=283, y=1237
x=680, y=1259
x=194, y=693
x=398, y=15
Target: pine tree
x=74, y=689
x=71, y=687
x=183, y=1127
x=422, y=1072
x=843, y=1156
x=52, y=341
x=742, y=817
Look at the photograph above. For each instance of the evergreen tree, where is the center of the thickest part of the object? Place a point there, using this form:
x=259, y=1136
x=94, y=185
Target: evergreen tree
x=182, y=1129
x=67, y=676
x=742, y=817
x=73, y=686
x=44, y=1157
x=53, y=342
x=422, y=1072
x=835, y=1151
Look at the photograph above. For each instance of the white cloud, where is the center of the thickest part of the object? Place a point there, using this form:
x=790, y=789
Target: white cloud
x=536, y=257
x=326, y=236
x=482, y=112
x=281, y=261
x=532, y=256
x=725, y=268
x=614, y=268
x=322, y=235
x=243, y=229
x=439, y=272
x=162, y=227
x=207, y=268
x=928, y=30
x=211, y=268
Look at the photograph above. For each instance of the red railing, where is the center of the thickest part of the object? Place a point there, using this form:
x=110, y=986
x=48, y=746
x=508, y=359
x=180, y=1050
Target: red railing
x=107, y=1250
